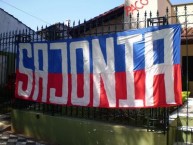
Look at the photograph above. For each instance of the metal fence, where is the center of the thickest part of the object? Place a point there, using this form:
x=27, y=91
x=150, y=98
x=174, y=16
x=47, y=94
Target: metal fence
x=153, y=119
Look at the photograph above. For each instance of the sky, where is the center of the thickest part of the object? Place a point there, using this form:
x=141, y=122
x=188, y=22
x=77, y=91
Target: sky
x=40, y=13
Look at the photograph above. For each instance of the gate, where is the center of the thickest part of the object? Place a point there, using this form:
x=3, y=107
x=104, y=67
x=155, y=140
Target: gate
x=7, y=71
x=175, y=122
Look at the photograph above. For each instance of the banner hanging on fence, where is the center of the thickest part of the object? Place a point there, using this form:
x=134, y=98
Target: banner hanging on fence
x=131, y=69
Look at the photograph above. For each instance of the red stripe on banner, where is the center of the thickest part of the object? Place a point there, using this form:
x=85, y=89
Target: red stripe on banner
x=120, y=86
x=178, y=84
x=80, y=85
x=91, y=91
x=53, y=82
x=39, y=99
x=69, y=103
x=159, y=90
x=139, y=81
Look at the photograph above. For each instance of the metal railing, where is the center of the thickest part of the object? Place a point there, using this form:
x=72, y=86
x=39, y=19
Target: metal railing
x=153, y=119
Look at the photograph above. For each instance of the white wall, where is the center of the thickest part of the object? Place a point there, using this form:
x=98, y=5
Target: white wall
x=9, y=23
x=149, y=6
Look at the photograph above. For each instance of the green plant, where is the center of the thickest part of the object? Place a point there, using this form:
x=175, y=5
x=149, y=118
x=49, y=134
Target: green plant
x=185, y=95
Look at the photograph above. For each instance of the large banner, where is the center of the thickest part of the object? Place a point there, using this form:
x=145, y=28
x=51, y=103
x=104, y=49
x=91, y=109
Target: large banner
x=132, y=69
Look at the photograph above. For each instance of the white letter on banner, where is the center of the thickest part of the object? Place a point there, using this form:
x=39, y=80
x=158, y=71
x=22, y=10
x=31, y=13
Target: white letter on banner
x=61, y=99
x=165, y=68
x=25, y=93
x=129, y=41
x=85, y=99
x=104, y=70
x=41, y=74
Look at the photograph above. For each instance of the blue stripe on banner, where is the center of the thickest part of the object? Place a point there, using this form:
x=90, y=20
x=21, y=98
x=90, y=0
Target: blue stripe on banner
x=55, y=61
x=55, y=58
x=177, y=43
x=138, y=56
x=28, y=62
x=68, y=54
x=119, y=58
x=158, y=48
x=79, y=61
x=40, y=56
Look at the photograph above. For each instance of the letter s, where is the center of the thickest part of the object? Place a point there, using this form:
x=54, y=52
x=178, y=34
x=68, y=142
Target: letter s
x=26, y=71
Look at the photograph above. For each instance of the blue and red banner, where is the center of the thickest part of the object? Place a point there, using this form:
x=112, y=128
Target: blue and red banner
x=132, y=69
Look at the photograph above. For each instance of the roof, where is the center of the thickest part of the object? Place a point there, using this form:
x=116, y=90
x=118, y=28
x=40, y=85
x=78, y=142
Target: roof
x=118, y=9
x=98, y=20
x=54, y=32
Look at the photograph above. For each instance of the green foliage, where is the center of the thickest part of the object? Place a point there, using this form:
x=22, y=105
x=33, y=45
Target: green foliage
x=185, y=95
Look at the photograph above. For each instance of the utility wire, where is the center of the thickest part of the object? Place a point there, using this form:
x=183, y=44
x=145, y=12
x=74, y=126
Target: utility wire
x=25, y=12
